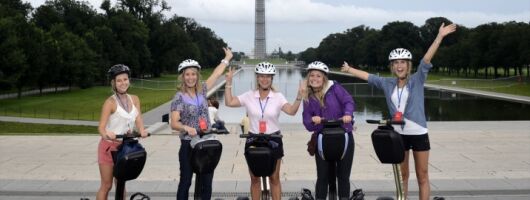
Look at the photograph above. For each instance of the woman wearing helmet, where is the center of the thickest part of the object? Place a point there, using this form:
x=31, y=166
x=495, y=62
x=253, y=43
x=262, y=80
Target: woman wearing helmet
x=189, y=113
x=120, y=113
x=326, y=99
x=263, y=106
x=405, y=100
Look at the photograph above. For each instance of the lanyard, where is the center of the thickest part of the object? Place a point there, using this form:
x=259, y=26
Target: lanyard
x=126, y=106
x=400, y=94
x=198, y=104
x=263, y=107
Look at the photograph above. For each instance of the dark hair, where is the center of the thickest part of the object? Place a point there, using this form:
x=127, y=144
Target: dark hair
x=214, y=103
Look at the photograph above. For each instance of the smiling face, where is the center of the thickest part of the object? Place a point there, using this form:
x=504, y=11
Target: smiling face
x=121, y=83
x=264, y=81
x=401, y=68
x=190, y=76
x=316, y=79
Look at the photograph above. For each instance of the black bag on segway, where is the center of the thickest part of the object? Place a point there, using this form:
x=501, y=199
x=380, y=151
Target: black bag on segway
x=205, y=156
x=332, y=142
x=388, y=145
x=129, y=160
x=260, y=159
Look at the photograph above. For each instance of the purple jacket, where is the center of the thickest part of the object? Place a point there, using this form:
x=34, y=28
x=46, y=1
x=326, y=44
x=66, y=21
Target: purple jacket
x=338, y=102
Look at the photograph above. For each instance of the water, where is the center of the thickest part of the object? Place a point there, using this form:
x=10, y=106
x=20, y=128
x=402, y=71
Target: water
x=370, y=103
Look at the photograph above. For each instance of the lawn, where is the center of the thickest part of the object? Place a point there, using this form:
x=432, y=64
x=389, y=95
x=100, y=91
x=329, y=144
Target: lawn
x=85, y=104
x=15, y=128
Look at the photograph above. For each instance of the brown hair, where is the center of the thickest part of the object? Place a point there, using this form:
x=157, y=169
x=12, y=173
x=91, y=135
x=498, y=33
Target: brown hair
x=198, y=86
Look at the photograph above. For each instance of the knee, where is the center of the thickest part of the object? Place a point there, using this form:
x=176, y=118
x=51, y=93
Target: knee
x=423, y=177
x=274, y=180
x=106, y=186
x=405, y=175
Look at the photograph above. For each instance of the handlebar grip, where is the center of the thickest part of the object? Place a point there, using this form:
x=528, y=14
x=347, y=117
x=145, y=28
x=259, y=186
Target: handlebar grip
x=372, y=121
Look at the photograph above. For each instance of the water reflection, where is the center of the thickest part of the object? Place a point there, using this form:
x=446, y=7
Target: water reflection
x=370, y=103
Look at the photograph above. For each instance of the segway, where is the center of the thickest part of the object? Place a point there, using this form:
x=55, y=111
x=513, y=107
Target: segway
x=389, y=148
x=260, y=159
x=129, y=161
x=205, y=155
x=332, y=144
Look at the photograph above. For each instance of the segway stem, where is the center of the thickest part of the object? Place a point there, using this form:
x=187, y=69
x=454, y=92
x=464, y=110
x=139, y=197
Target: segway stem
x=400, y=194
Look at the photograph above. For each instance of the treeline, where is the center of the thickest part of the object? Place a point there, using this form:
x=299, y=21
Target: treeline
x=68, y=43
x=479, y=52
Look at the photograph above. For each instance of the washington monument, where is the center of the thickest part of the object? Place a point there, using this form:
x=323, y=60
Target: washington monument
x=260, y=45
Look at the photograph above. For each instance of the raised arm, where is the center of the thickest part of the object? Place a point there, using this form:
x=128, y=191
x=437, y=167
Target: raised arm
x=442, y=32
x=218, y=71
x=355, y=72
x=230, y=100
x=291, y=109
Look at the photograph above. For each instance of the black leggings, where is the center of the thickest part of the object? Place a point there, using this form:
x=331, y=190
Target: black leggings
x=343, y=170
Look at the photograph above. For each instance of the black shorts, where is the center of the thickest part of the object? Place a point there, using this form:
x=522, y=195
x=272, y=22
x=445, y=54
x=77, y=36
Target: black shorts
x=277, y=151
x=416, y=142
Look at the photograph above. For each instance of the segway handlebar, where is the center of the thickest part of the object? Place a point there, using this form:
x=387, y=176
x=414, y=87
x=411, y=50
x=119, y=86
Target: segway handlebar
x=385, y=122
x=260, y=136
x=213, y=131
x=134, y=134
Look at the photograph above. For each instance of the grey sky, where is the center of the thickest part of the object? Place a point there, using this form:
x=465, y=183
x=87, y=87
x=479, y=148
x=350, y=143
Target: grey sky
x=299, y=24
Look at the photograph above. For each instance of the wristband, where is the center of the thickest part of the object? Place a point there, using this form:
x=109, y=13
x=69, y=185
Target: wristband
x=225, y=62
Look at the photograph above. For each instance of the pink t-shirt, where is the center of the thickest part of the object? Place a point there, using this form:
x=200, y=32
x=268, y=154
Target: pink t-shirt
x=272, y=107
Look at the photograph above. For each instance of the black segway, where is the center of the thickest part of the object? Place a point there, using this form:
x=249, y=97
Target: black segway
x=129, y=161
x=389, y=148
x=260, y=159
x=332, y=144
x=205, y=156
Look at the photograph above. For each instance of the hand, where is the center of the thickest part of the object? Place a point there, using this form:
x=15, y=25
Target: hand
x=345, y=67
x=110, y=135
x=346, y=119
x=228, y=76
x=228, y=54
x=316, y=119
x=144, y=133
x=302, y=89
x=191, y=131
x=446, y=30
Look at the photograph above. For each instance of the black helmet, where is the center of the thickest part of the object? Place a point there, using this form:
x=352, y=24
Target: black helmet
x=117, y=70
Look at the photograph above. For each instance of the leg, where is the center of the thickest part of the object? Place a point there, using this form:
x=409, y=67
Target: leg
x=405, y=173
x=321, y=187
x=274, y=179
x=105, y=171
x=207, y=179
x=344, y=170
x=421, y=162
x=255, y=186
x=185, y=170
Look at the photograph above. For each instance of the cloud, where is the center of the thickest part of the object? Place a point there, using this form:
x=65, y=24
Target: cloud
x=307, y=11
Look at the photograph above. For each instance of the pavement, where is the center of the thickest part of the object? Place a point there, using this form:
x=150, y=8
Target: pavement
x=468, y=160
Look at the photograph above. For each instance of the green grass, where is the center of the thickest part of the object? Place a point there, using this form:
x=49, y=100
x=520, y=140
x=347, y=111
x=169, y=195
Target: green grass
x=256, y=61
x=15, y=128
x=85, y=104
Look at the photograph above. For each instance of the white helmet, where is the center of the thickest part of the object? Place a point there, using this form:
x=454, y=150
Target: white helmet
x=265, y=68
x=400, y=53
x=188, y=63
x=318, y=66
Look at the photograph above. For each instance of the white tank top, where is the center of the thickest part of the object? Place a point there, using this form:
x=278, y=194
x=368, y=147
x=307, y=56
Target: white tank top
x=121, y=121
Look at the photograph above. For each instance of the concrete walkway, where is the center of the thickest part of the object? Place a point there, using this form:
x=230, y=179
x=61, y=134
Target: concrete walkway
x=469, y=160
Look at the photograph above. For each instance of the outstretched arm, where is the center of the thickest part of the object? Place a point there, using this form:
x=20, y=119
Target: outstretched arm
x=218, y=71
x=355, y=72
x=442, y=32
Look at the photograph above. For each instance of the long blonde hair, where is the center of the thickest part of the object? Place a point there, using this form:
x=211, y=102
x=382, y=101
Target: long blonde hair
x=198, y=86
x=319, y=95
